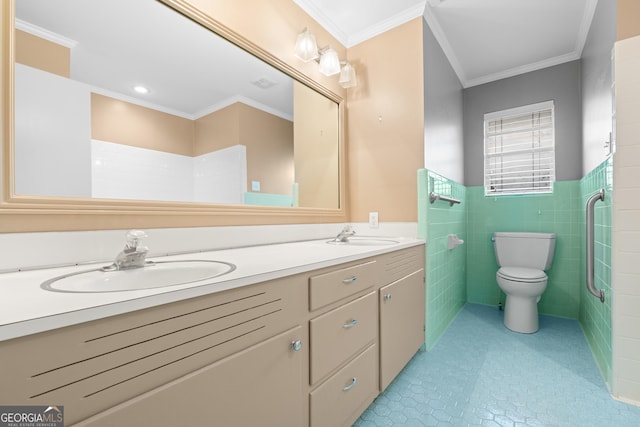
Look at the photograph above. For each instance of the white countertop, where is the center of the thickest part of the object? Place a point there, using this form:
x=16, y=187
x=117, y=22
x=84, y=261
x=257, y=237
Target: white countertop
x=26, y=308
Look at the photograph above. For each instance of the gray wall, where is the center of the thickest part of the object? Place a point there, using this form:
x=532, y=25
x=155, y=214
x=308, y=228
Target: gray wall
x=443, y=124
x=560, y=83
x=596, y=85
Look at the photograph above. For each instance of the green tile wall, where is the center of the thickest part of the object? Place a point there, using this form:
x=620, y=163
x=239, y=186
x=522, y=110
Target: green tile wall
x=446, y=269
x=559, y=213
x=468, y=272
x=595, y=317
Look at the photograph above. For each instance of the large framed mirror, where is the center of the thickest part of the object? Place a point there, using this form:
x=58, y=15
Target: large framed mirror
x=138, y=114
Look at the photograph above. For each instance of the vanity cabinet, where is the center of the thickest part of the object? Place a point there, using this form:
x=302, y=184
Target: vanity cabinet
x=311, y=349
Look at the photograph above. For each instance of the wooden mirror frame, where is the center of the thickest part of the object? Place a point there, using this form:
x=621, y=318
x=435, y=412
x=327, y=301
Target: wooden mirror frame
x=35, y=213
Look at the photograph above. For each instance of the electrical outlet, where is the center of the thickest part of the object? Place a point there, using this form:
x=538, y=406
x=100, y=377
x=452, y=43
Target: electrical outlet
x=373, y=219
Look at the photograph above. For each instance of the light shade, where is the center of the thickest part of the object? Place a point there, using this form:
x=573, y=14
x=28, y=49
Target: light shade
x=306, y=47
x=347, y=76
x=329, y=62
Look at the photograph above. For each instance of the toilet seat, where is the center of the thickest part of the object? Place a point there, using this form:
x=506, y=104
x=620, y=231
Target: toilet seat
x=522, y=274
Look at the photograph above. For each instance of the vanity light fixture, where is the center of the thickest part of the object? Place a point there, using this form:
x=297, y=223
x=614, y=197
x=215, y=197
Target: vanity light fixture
x=306, y=49
x=306, y=46
x=329, y=62
x=348, y=76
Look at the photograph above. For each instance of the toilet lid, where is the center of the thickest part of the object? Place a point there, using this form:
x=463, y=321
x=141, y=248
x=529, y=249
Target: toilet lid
x=521, y=274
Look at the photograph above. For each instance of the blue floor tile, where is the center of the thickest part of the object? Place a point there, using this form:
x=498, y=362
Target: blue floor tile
x=482, y=374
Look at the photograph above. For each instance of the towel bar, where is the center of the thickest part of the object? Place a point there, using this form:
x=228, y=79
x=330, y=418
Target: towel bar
x=433, y=197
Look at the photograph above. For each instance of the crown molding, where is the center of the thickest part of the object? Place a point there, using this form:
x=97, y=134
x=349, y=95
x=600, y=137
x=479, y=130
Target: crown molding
x=243, y=99
x=378, y=28
x=321, y=18
x=585, y=25
x=523, y=69
x=386, y=25
x=45, y=34
x=442, y=39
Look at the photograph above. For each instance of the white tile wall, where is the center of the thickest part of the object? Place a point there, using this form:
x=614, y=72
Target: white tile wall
x=626, y=220
x=221, y=176
x=53, y=125
x=125, y=172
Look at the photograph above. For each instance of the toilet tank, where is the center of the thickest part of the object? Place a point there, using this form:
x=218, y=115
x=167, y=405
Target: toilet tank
x=529, y=250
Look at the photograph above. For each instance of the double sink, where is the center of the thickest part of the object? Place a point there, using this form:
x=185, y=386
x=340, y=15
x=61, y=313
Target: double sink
x=159, y=274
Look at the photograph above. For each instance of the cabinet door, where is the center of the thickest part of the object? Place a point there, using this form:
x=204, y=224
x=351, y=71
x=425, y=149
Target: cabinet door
x=402, y=320
x=260, y=386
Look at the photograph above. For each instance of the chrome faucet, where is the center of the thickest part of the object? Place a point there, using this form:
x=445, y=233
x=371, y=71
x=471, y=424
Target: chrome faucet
x=133, y=255
x=344, y=235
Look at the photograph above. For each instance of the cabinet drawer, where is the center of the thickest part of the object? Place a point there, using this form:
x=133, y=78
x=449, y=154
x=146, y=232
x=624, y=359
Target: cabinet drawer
x=340, y=400
x=335, y=285
x=341, y=333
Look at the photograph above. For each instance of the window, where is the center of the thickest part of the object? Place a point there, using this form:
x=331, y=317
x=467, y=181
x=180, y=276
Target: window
x=519, y=156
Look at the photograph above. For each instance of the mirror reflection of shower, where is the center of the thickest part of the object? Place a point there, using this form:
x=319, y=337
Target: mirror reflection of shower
x=201, y=133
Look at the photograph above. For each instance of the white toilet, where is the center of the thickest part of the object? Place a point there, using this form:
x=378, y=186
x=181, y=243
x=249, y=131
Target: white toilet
x=522, y=258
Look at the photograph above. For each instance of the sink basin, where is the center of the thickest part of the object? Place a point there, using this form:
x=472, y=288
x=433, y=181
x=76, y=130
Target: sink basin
x=365, y=241
x=152, y=275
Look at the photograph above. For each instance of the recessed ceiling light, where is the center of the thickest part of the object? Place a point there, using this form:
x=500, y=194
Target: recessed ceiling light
x=140, y=89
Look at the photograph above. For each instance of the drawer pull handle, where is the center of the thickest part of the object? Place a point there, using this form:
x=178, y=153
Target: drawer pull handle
x=387, y=297
x=296, y=345
x=351, y=324
x=349, y=280
x=350, y=386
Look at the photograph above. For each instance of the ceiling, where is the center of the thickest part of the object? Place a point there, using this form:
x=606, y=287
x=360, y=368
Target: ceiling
x=110, y=53
x=484, y=40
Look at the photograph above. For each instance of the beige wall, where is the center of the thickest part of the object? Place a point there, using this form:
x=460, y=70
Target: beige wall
x=218, y=130
x=268, y=138
x=385, y=125
x=628, y=19
x=316, y=148
x=42, y=54
x=269, y=142
x=121, y=122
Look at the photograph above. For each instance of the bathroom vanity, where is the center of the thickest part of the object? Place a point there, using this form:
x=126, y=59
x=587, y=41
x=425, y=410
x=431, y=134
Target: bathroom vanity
x=306, y=336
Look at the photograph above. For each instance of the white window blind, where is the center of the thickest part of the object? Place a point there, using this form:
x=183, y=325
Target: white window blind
x=519, y=150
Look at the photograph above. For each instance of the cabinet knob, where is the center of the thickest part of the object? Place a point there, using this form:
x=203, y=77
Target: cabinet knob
x=351, y=324
x=296, y=345
x=387, y=297
x=350, y=386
